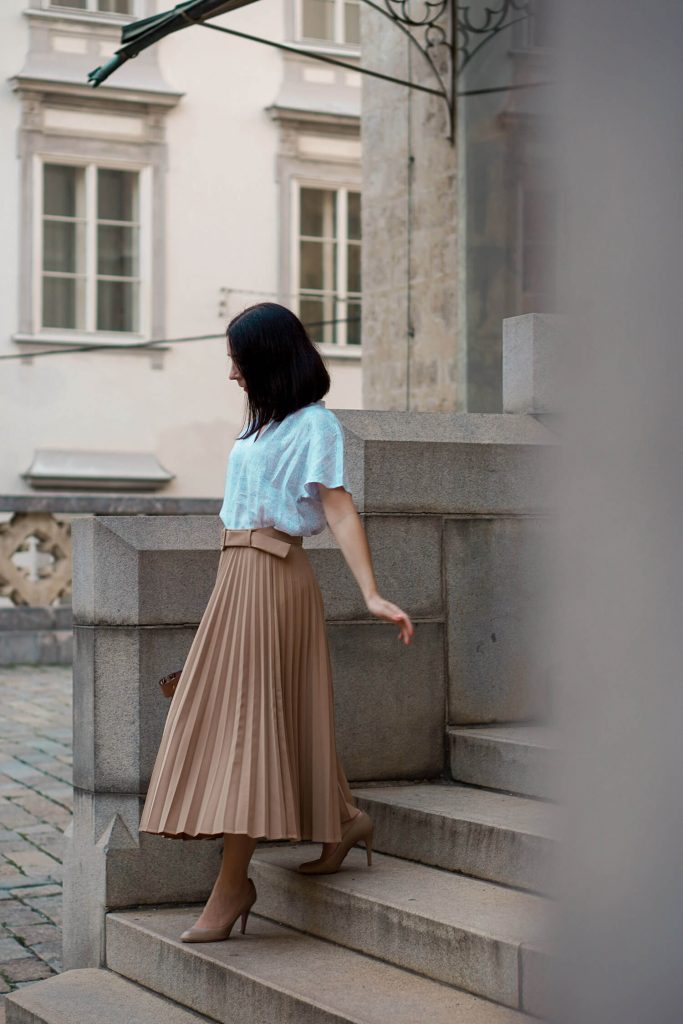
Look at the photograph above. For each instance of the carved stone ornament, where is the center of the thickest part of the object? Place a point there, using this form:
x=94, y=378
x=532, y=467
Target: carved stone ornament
x=42, y=534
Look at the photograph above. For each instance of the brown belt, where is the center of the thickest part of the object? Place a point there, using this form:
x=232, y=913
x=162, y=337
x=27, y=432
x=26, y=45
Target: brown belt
x=267, y=538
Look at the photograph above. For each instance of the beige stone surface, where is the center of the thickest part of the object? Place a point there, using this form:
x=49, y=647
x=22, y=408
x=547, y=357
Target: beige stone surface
x=496, y=836
x=454, y=929
x=521, y=758
x=274, y=973
x=413, y=355
x=91, y=994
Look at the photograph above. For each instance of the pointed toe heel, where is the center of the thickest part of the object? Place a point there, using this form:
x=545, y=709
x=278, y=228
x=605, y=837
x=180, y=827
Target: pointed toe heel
x=220, y=934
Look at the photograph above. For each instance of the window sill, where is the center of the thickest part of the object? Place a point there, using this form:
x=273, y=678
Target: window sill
x=331, y=49
x=81, y=17
x=341, y=351
x=77, y=469
x=113, y=341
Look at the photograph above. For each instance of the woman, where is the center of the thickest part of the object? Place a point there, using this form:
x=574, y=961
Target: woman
x=248, y=749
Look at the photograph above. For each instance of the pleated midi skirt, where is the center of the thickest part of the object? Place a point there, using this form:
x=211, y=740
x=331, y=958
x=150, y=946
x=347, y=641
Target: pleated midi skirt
x=249, y=740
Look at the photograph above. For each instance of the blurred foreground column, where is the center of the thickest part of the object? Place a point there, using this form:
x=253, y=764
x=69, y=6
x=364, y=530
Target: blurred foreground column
x=620, y=582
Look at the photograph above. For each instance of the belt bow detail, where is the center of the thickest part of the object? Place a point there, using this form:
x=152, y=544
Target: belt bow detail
x=256, y=539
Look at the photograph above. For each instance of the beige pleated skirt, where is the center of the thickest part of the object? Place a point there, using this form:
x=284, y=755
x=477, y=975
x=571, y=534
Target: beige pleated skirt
x=249, y=743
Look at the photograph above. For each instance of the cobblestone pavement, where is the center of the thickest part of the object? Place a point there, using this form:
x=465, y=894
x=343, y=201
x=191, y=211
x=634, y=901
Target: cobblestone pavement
x=35, y=809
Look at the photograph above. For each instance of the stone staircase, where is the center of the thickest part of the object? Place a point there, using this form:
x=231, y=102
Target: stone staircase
x=449, y=924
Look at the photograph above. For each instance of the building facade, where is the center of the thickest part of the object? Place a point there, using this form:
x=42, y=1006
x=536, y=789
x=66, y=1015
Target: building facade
x=208, y=173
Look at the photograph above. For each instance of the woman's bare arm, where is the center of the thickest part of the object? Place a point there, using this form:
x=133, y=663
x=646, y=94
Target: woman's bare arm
x=347, y=528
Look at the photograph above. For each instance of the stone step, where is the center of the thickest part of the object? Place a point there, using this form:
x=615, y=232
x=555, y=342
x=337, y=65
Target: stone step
x=496, y=836
x=515, y=758
x=457, y=930
x=275, y=974
x=91, y=994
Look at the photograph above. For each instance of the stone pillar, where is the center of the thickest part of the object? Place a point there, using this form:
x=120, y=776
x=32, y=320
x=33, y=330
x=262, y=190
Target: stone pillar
x=532, y=355
x=413, y=358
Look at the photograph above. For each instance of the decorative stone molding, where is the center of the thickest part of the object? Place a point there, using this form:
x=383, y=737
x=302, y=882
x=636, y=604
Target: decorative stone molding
x=48, y=537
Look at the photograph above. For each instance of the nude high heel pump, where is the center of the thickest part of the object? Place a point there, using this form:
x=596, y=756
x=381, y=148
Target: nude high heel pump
x=217, y=934
x=359, y=828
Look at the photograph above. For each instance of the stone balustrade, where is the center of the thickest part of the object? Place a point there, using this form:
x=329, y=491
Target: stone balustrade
x=458, y=512
x=462, y=553
x=36, y=565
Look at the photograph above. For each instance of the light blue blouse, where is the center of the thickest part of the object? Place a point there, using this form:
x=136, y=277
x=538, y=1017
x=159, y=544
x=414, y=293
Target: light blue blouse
x=272, y=479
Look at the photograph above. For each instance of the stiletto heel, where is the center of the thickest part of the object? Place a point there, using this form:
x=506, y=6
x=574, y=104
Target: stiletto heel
x=218, y=934
x=359, y=828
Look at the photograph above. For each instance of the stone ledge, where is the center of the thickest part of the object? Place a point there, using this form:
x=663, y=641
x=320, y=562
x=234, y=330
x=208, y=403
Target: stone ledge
x=141, y=570
x=23, y=617
x=79, y=503
x=448, y=463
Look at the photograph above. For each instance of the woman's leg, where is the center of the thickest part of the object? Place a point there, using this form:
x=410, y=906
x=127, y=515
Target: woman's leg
x=230, y=888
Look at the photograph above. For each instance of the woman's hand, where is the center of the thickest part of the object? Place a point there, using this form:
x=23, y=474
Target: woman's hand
x=344, y=522
x=384, y=609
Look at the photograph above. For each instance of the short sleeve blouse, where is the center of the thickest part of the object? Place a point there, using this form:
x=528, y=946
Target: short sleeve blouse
x=272, y=479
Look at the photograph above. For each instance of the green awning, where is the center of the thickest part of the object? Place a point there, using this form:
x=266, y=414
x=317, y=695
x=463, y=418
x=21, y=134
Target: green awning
x=138, y=35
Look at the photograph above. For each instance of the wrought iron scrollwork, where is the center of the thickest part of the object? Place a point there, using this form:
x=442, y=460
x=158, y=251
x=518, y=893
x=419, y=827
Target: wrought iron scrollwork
x=434, y=24
x=471, y=33
x=435, y=32
x=402, y=10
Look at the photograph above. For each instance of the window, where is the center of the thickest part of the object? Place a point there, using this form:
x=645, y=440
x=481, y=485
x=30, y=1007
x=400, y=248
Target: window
x=539, y=240
x=90, y=267
x=95, y=6
x=328, y=261
x=330, y=21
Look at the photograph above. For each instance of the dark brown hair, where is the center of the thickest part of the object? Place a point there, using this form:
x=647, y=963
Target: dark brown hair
x=281, y=366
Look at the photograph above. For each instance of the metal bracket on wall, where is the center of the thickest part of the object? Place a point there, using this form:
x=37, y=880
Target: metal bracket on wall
x=446, y=33
x=453, y=29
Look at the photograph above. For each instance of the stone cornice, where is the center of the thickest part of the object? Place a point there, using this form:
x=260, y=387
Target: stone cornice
x=59, y=87
x=347, y=124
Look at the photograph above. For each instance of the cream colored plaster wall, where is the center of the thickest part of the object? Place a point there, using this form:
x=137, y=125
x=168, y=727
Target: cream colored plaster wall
x=222, y=231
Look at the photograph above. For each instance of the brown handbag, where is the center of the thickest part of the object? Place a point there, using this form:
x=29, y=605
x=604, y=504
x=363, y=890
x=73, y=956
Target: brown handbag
x=168, y=683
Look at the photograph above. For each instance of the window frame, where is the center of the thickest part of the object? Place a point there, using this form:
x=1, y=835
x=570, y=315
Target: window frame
x=341, y=294
x=90, y=331
x=338, y=43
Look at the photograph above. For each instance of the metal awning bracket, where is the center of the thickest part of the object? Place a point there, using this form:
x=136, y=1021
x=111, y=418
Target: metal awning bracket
x=429, y=25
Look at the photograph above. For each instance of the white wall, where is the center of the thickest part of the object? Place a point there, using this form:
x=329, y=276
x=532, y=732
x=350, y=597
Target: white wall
x=222, y=231
x=13, y=43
